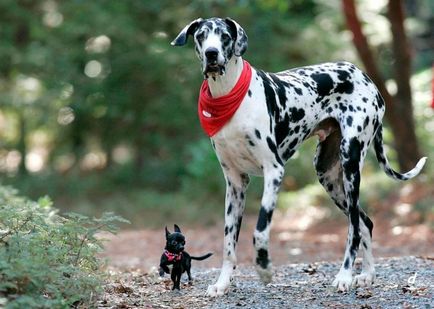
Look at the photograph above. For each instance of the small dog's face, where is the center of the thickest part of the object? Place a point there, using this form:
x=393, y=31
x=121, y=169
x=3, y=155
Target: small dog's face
x=216, y=41
x=175, y=241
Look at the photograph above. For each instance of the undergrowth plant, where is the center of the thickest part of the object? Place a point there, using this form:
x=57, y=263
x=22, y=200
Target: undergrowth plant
x=48, y=260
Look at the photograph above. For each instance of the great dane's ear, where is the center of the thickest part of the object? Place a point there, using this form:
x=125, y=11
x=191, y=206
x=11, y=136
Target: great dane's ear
x=182, y=37
x=177, y=229
x=167, y=232
x=239, y=35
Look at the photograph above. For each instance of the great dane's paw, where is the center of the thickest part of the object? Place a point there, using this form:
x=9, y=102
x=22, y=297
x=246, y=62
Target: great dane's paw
x=217, y=290
x=343, y=281
x=265, y=274
x=365, y=279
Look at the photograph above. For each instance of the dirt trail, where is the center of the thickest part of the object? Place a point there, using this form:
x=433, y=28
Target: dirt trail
x=401, y=283
x=298, y=242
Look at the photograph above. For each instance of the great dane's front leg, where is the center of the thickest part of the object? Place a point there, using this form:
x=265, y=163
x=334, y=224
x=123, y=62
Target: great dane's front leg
x=272, y=180
x=236, y=185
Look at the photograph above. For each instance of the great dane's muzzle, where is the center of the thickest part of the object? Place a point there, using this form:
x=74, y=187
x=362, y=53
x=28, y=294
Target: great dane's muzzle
x=212, y=62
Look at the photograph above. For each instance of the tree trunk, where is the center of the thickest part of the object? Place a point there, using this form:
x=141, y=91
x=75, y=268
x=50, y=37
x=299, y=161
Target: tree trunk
x=407, y=145
x=401, y=122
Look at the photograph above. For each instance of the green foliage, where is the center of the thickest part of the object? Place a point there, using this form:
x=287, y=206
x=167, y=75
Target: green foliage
x=46, y=260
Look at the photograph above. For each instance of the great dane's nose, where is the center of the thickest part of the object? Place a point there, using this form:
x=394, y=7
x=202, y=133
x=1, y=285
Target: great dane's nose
x=211, y=54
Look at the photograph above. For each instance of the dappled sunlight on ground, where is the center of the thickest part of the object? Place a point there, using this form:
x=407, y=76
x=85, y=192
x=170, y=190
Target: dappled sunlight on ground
x=403, y=225
x=296, y=236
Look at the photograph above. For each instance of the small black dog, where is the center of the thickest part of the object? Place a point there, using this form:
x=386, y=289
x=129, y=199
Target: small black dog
x=175, y=255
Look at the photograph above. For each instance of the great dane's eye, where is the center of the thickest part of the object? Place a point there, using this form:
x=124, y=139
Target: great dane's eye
x=200, y=36
x=226, y=37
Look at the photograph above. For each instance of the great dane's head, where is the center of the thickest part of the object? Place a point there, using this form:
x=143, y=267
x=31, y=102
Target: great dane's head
x=216, y=41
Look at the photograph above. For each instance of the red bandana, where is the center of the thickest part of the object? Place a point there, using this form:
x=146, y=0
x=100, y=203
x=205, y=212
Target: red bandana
x=173, y=256
x=214, y=113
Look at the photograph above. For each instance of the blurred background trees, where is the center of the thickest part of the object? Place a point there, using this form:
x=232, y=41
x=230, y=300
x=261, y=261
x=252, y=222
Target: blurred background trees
x=99, y=111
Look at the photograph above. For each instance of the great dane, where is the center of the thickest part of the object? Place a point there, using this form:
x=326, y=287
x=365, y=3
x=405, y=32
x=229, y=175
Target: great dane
x=335, y=101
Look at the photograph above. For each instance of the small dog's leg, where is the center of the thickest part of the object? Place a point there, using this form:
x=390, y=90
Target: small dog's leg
x=189, y=275
x=173, y=276
x=178, y=281
x=272, y=180
x=236, y=185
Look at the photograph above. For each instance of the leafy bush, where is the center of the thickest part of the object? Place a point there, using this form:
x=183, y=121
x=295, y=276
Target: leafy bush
x=47, y=260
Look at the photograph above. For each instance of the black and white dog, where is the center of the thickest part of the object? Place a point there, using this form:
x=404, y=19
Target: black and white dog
x=335, y=101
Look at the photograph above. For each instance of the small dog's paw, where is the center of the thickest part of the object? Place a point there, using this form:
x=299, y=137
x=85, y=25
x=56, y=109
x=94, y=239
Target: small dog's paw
x=265, y=274
x=365, y=279
x=216, y=290
x=343, y=281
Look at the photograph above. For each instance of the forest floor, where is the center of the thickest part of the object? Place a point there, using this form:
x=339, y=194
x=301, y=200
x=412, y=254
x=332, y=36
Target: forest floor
x=406, y=282
x=306, y=250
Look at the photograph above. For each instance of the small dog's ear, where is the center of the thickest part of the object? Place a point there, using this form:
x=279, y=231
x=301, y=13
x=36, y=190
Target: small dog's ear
x=167, y=232
x=177, y=229
x=190, y=29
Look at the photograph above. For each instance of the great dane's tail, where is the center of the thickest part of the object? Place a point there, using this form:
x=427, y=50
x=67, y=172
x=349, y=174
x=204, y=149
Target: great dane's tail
x=384, y=163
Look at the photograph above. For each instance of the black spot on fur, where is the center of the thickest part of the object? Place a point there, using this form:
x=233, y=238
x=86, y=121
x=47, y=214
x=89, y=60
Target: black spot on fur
x=229, y=209
x=262, y=258
x=342, y=107
x=281, y=89
x=349, y=121
x=345, y=87
x=264, y=219
x=343, y=75
x=273, y=149
x=276, y=182
x=258, y=134
x=366, y=122
x=296, y=114
x=347, y=263
x=249, y=93
x=240, y=219
x=281, y=129
x=380, y=100
x=324, y=83
x=270, y=99
x=298, y=91
x=288, y=153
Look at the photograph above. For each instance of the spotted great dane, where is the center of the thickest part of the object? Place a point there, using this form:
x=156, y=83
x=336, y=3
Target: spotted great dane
x=335, y=101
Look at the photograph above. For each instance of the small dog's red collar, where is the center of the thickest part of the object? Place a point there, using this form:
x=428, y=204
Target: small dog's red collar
x=173, y=256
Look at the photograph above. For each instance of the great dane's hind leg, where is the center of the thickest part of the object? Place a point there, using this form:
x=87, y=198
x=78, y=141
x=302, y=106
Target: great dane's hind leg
x=236, y=185
x=367, y=276
x=330, y=173
x=272, y=180
x=351, y=159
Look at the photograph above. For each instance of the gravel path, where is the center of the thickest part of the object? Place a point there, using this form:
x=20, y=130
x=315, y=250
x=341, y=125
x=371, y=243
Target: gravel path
x=294, y=286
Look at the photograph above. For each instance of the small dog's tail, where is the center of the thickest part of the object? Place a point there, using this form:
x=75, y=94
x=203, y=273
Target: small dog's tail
x=384, y=163
x=200, y=258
